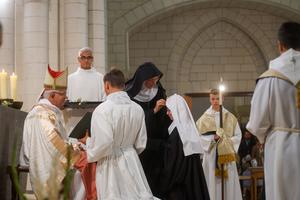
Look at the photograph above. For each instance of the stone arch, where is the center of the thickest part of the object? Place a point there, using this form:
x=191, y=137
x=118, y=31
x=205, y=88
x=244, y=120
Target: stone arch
x=150, y=10
x=206, y=20
x=185, y=70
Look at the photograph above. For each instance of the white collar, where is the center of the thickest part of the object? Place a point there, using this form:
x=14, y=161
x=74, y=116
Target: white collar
x=288, y=63
x=119, y=97
x=80, y=70
x=211, y=111
x=146, y=94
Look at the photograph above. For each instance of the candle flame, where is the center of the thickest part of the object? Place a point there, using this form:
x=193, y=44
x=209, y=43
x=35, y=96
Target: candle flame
x=222, y=87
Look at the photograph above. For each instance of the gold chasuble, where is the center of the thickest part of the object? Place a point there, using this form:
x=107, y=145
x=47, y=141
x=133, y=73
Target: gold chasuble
x=225, y=149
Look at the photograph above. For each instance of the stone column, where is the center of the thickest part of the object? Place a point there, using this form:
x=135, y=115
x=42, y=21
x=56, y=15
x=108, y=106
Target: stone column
x=54, y=34
x=75, y=30
x=7, y=50
x=97, y=34
x=35, y=43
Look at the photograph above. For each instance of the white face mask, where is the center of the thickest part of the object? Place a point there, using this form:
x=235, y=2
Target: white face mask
x=146, y=94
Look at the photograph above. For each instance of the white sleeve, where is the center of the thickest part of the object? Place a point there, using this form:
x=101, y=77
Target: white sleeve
x=101, y=141
x=259, y=121
x=207, y=142
x=236, y=138
x=141, y=140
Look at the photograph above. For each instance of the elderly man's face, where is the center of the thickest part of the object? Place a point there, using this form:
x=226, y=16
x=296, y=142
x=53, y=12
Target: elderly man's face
x=85, y=60
x=58, y=98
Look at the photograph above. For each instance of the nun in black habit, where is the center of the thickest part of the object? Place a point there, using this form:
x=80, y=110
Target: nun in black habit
x=171, y=175
x=145, y=89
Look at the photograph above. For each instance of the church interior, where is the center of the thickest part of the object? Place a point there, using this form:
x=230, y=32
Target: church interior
x=193, y=42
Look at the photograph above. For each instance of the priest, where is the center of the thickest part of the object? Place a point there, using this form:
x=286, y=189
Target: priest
x=215, y=143
x=86, y=84
x=44, y=146
x=275, y=116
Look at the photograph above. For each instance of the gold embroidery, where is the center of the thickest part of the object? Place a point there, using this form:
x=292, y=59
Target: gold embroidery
x=294, y=130
x=226, y=152
x=273, y=73
x=62, y=147
x=207, y=123
x=55, y=138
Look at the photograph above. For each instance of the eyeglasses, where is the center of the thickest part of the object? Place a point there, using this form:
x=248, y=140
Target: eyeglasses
x=86, y=57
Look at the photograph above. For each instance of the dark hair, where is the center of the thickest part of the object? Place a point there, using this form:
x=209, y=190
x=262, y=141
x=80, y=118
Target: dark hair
x=214, y=91
x=289, y=35
x=116, y=78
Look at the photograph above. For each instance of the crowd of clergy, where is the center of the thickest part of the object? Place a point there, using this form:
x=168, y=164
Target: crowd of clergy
x=145, y=145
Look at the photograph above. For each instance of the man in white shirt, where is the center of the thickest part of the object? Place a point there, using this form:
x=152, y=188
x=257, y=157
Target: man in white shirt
x=275, y=116
x=86, y=84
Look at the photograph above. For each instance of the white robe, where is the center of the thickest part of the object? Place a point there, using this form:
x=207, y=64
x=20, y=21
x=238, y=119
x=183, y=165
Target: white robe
x=232, y=190
x=118, y=134
x=273, y=105
x=86, y=85
x=43, y=132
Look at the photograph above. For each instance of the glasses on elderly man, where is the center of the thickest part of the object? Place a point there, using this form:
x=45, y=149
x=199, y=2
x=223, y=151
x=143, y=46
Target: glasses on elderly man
x=86, y=57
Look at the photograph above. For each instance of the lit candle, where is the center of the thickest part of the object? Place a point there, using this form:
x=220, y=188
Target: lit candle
x=13, y=86
x=3, y=86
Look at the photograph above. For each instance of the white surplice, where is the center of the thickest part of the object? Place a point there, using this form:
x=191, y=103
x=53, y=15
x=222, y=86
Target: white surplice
x=232, y=190
x=86, y=85
x=44, y=141
x=273, y=106
x=118, y=135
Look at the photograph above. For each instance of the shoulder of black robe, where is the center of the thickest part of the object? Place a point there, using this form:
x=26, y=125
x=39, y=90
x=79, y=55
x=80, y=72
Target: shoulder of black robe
x=182, y=176
x=144, y=72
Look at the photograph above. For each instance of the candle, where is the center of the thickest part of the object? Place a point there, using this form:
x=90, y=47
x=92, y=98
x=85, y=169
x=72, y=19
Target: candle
x=3, y=86
x=221, y=90
x=13, y=86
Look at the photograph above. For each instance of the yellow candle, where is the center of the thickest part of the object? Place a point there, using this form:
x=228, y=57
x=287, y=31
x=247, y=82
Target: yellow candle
x=13, y=86
x=3, y=85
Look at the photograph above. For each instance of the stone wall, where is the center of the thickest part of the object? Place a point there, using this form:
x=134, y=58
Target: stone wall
x=196, y=42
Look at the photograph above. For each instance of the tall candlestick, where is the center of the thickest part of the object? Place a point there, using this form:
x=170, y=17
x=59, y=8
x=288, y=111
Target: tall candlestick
x=3, y=85
x=13, y=86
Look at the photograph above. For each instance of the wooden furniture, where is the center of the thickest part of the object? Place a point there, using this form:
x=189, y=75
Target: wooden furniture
x=256, y=174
